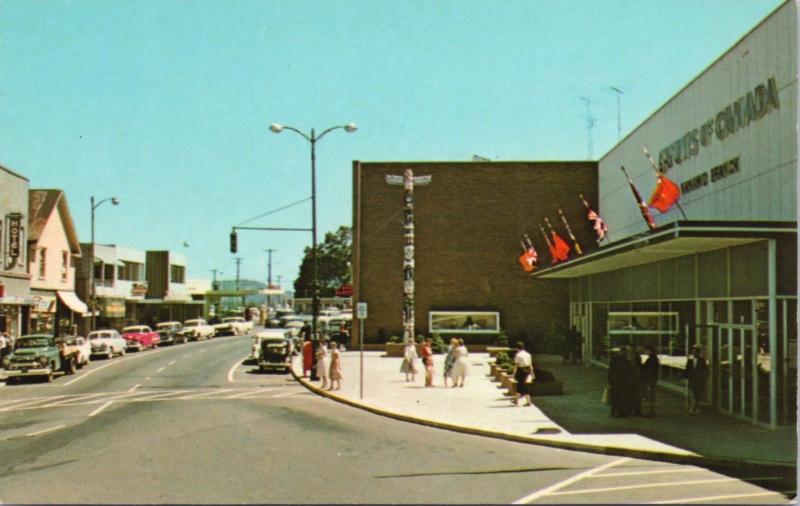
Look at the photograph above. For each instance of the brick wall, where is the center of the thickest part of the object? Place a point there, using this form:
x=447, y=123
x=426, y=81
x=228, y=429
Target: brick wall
x=468, y=224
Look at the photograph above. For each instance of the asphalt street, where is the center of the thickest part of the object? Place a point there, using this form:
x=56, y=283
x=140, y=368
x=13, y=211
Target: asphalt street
x=193, y=424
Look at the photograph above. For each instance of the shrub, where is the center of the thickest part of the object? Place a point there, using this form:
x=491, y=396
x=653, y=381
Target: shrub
x=502, y=358
x=396, y=339
x=438, y=345
x=502, y=339
x=419, y=339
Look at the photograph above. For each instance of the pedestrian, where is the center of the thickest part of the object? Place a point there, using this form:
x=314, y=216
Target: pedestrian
x=3, y=348
x=336, y=368
x=635, y=388
x=649, y=379
x=449, y=360
x=572, y=345
x=323, y=363
x=308, y=356
x=409, y=366
x=696, y=373
x=523, y=373
x=427, y=361
x=461, y=365
x=616, y=382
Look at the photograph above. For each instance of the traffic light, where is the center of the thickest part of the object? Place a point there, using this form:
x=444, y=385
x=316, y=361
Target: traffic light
x=233, y=241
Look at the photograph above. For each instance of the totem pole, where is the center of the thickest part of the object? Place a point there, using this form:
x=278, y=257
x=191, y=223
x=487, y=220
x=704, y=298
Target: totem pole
x=408, y=181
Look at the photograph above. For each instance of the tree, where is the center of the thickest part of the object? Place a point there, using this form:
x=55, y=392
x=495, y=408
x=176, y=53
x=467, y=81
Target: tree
x=333, y=270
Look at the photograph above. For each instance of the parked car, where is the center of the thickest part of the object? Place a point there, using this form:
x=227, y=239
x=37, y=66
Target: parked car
x=294, y=327
x=255, y=351
x=38, y=355
x=140, y=337
x=80, y=345
x=275, y=350
x=234, y=325
x=107, y=342
x=169, y=332
x=196, y=329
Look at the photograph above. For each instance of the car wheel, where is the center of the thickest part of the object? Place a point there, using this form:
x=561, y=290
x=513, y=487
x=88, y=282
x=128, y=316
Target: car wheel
x=70, y=367
x=49, y=377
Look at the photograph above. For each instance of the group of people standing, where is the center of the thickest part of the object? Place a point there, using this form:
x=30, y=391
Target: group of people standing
x=329, y=362
x=456, y=366
x=631, y=380
x=6, y=346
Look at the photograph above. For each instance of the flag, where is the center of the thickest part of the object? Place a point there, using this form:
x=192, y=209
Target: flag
x=550, y=247
x=528, y=258
x=578, y=249
x=598, y=224
x=665, y=195
x=560, y=248
x=648, y=218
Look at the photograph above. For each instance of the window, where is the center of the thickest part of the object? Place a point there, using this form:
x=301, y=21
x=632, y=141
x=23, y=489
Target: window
x=464, y=322
x=42, y=262
x=177, y=274
x=64, y=265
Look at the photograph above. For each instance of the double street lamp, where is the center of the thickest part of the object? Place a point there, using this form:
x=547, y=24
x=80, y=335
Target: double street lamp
x=312, y=139
x=93, y=297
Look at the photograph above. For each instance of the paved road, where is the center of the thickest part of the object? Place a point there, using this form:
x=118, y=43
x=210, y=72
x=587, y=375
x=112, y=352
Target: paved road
x=192, y=424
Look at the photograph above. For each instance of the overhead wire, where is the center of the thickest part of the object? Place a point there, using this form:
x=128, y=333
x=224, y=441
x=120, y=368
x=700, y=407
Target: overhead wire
x=274, y=211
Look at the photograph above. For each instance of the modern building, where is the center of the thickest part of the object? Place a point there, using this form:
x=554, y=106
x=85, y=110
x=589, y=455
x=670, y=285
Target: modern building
x=168, y=297
x=720, y=271
x=53, y=246
x=15, y=286
x=469, y=223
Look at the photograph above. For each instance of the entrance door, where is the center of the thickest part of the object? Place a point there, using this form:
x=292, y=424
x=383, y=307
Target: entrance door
x=736, y=350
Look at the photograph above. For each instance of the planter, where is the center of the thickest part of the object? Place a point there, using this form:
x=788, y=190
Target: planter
x=512, y=387
x=494, y=350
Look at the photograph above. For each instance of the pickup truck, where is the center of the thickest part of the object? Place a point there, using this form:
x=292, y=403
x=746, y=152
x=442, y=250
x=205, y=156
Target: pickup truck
x=196, y=329
x=39, y=355
x=234, y=325
x=140, y=337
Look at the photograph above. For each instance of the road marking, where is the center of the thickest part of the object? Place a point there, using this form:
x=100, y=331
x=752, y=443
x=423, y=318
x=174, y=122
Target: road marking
x=203, y=394
x=133, y=389
x=30, y=403
x=157, y=396
x=569, y=481
x=230, y=371
x=201, y=351
x=172, y=362
x=644, y=485
x=158, y=371
x=661, y=471
x=286, y=394
x=71, y=399
x=122, y=396
x=713, y=498
x=117, y=361
x=249, y=392
x=51, y=429
x=101, y=408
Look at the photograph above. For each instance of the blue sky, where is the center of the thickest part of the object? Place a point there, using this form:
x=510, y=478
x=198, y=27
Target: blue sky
x=166, y=104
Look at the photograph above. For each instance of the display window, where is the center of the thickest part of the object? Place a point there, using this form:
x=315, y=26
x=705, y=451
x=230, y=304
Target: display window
x=464, y=322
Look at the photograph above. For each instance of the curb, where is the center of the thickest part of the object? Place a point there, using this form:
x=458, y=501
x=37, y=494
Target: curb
x=723, y=462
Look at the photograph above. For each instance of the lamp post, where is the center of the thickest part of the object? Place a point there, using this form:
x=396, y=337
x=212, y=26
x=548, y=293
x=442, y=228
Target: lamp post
x=93, y=297
x=312, y=139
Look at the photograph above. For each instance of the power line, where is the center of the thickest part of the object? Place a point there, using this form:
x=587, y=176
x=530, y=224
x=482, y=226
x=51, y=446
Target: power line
x=275, y=210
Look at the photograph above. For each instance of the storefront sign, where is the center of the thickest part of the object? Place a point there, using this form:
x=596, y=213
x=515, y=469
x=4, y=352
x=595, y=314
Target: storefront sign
x=139, y=289
x=14, y=235
x=748, y=108
x=717, y=173
x=112, y=308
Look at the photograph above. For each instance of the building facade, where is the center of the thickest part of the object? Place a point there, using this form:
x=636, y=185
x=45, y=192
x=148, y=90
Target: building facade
x=53, y=247
x=15, y=291
x=719, y=272
x=468, y=225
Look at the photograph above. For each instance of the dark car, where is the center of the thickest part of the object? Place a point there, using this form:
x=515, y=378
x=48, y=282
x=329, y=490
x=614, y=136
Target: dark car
x=169, y=332
x=275, y=350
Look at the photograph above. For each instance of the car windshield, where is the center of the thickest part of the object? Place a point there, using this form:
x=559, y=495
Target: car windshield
x=192, y=323
x=134, y=329
x=166, y=325
x=33, y=342
x=233, y=319
x=100, y=335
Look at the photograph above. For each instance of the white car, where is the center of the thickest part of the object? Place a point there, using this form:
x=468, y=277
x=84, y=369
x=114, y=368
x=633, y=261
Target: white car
x=197, y=329
x=235, y=325
x=81, y=345
x=107, y=342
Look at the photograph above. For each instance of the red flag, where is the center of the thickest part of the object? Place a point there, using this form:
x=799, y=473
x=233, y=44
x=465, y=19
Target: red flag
x=527, y=260
x=560, y=248
x=665, y=195
x=642, y=206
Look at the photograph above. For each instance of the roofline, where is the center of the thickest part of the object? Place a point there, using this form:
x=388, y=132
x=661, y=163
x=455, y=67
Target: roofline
x=14, y=173
x=481, y=163
x=698, y=76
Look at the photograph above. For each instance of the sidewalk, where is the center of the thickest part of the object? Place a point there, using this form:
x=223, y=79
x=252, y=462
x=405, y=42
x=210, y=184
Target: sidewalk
x=576, y=420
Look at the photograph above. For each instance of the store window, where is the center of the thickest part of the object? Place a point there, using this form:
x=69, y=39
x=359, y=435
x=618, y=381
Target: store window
x=42, y=262
x=64, y=265
x=742, y=312
x=464, y=322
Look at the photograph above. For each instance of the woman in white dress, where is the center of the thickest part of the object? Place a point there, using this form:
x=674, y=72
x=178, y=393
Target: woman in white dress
x=409, y=356
x=323, y=363
x=461, y=366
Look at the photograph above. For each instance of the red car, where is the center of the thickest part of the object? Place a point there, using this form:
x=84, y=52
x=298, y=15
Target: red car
x=139, y=337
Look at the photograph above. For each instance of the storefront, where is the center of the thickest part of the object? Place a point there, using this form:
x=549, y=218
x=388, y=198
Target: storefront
x=15, y=286
x=720, y=271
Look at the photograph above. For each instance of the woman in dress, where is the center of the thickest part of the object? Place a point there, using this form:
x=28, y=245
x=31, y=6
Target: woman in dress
x=409, y=356
x=336, y=368
x=308, y=356
x=461, y=366
x=449, y=360
x=323, y=363
x=427, y=360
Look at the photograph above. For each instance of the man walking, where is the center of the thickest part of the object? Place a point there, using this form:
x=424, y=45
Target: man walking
x=649, y=378
x=696, y=373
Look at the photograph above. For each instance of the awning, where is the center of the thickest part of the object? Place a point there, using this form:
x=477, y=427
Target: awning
x=75, y=304
x=673, y=240
x=105, y=257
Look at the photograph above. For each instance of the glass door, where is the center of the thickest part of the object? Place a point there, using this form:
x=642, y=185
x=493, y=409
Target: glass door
x=724, y=354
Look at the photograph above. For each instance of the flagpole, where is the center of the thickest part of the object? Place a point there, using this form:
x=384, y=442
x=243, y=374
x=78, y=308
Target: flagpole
x=569, y=232
x=642, y=207
x=658, y=176
x=550, y=247
x=586, y=205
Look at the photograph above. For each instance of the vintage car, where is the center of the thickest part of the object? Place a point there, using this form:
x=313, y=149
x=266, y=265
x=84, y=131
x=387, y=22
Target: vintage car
x=140, y=337
x=293, y=327
x=274, y=350
x=196, y=329
x=38, y=355
x=233, y=325
x=107, y=342
x=168, y=331
x=80, y=347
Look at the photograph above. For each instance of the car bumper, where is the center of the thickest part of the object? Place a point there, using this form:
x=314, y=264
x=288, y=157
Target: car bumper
x=18, y=373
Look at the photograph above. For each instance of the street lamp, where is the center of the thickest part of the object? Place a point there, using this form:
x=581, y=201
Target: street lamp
x=312, y=139
x=93, y=301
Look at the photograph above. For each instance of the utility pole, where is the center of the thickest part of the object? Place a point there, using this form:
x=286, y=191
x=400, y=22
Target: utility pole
x=408, y=181
x=238, y=265
x=269, y=277
x=619, y=112
x=590, y=121
x=215, y=287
